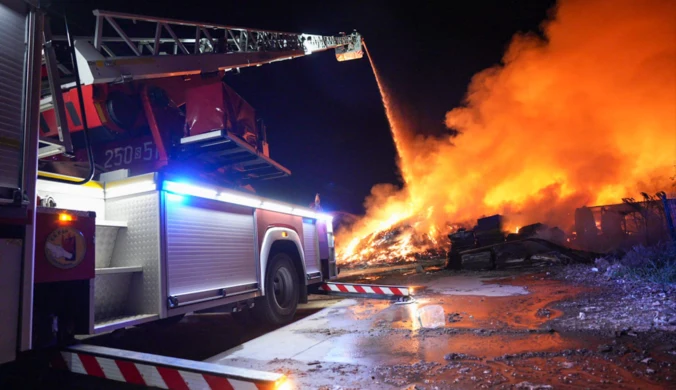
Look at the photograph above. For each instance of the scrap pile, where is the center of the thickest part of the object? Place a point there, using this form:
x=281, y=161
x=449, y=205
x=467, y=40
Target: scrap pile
x=397, y=245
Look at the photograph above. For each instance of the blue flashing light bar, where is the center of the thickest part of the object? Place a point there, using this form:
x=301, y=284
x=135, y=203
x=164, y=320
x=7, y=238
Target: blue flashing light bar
x=171, y=197
x=228, y=196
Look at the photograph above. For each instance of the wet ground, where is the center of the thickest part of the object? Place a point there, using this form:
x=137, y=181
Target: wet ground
x=514, y=329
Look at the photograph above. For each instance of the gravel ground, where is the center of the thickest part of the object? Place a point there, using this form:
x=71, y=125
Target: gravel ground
x=616, y=305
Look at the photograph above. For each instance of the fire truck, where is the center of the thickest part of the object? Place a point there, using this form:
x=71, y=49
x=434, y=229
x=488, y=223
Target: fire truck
x=127, y=176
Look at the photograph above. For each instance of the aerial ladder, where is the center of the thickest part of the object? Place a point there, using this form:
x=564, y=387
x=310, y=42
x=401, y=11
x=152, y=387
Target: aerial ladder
x=128, y=82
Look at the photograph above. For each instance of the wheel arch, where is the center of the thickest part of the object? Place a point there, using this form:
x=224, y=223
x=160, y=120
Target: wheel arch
x=281, y=239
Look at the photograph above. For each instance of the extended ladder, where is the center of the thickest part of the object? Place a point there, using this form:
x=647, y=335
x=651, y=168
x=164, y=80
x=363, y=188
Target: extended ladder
x=119, y=52
x=190, y=48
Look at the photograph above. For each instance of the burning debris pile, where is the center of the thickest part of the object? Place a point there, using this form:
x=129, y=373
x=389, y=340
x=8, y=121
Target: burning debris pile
x=399, y=244
x=582, y=115
x=601, y=229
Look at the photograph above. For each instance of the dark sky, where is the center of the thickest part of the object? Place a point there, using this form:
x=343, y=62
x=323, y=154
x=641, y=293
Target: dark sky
x=325, y=119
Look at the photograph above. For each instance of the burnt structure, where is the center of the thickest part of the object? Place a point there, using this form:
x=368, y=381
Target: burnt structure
x=597, y=230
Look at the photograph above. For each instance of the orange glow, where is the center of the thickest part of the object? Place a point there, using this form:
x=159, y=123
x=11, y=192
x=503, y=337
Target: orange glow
x=283, y=384
x=584, y=117
x=63, y=217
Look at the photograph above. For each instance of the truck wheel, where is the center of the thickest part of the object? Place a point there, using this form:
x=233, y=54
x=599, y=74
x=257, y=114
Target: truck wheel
x=279, y=304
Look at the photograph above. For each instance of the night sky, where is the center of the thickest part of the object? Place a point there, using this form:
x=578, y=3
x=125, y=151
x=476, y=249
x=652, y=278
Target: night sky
x=324, y=118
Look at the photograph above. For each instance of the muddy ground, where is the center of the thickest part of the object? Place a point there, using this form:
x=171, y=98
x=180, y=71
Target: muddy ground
x=575, y=328
x=519, y=329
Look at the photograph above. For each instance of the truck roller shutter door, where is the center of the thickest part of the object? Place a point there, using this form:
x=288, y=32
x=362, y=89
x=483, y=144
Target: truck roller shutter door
x=12, y=63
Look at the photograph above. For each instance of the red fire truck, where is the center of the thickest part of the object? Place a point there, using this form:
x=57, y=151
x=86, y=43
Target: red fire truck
x=127, y=175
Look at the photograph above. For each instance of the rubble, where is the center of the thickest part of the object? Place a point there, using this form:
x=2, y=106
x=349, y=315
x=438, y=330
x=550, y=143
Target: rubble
x=460, y=356
x=604, y=348
x=615, y=270
x=645, y=306
x=602, y=264
x=404, y=374
x=531, y=386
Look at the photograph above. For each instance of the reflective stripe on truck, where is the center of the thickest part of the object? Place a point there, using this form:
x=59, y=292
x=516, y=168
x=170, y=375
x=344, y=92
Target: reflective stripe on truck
x=162, y=371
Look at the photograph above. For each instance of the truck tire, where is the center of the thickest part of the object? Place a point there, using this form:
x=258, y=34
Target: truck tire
x=278, y=306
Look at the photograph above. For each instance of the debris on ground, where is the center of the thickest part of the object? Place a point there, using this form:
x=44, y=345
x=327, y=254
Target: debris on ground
x=644, y=307
x=460, y=356
x=531, y=386
x=604, y=348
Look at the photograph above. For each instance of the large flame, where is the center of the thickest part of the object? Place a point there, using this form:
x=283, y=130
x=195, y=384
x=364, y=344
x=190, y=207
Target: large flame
x=585, y=116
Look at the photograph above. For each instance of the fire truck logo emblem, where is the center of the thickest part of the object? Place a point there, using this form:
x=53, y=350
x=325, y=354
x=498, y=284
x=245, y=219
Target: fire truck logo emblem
x=65, y=248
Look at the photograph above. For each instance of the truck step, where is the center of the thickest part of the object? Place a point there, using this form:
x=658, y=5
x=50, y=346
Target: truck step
x=118, y=270
x=123, y=321
x=106, y=237
x=107, y=223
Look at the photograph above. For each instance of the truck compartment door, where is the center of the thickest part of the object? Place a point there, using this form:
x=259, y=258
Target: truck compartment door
x=209, y=249
x=10, y=270
x=12, y=61
x=311, y=248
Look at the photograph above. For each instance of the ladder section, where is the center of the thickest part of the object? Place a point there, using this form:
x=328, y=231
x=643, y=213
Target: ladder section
x=49, y=146
x=174, y=47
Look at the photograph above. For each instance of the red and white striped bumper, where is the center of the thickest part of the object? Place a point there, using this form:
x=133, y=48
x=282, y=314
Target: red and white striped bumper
x=161, y=371
x=369, y=289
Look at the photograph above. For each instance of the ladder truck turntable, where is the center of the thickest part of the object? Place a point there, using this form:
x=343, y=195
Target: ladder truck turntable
x=143, y=208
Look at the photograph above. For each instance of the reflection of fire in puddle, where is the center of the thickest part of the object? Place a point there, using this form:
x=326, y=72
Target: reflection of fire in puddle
x=405, y=348
x=498, y=345
x=367, y=309
x=434, y=348
x=486, y=312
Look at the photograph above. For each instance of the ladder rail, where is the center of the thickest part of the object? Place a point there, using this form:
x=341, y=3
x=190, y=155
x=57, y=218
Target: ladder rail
x=239, y=39
x=64, y=144
x=189, y=48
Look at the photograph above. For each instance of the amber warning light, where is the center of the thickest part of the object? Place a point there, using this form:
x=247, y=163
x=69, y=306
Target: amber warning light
x=64, y=217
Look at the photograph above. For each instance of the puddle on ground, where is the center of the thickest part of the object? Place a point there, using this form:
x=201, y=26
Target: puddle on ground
x=485, y=342
x=439, y=324
x=435, y=347
x=520, y=312
x=471, y=285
